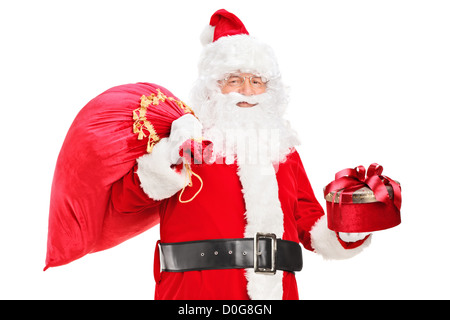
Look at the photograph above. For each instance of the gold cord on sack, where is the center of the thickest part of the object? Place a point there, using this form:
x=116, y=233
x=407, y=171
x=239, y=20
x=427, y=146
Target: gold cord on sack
x=188, y=182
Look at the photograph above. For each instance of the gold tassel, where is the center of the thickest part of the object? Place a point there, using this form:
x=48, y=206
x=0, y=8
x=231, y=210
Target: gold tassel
x=141, y=122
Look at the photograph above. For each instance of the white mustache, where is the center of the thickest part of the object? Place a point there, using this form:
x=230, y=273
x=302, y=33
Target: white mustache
x=234, y=98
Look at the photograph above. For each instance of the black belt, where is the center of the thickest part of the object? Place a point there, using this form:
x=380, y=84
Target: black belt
x=271, y=254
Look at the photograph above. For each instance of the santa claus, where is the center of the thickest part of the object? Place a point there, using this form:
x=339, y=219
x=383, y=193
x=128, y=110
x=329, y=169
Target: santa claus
x=239, y=237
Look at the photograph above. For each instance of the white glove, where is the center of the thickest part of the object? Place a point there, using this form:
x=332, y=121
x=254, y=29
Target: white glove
x=352, y=237
x=184, y=128
x=158, y=180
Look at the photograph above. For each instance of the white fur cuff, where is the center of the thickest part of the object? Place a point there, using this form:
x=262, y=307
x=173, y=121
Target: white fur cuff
x=158, y=180
x=325, y=242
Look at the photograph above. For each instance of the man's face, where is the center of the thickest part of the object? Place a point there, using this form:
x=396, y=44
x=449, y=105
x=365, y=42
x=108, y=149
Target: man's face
x=246, y=84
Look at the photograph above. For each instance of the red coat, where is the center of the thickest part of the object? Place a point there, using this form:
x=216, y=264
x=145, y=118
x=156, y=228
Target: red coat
x=218, y=211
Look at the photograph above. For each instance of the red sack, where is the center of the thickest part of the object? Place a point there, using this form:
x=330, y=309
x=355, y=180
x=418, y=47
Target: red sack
x=101, y=146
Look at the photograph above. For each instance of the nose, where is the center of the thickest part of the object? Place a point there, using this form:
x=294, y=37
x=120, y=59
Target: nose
x=247, y=89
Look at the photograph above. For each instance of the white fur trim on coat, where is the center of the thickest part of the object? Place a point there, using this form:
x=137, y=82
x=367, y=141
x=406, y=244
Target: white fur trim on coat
x=325, y=242
x=263, y=214
x=158, y=180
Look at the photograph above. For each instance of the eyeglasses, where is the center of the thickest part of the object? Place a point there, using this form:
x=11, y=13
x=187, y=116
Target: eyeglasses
x=237, y=80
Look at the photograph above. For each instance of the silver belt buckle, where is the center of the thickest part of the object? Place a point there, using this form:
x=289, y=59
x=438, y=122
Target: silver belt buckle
x=256, y=252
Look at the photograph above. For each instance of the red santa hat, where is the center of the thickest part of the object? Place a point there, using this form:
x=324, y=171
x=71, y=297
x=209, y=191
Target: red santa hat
x=222, y=24
x=228, y=47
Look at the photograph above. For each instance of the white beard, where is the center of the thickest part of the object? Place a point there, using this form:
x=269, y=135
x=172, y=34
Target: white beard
x=255, y=135
x=257, y=139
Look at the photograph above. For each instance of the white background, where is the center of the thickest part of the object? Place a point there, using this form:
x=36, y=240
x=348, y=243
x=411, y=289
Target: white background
x=370, y=83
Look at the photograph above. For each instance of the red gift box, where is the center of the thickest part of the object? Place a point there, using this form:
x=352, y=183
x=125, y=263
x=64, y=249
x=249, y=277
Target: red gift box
x=357, y=202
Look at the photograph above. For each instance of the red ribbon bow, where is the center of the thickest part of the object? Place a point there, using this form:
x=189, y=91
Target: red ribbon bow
x=354, y=179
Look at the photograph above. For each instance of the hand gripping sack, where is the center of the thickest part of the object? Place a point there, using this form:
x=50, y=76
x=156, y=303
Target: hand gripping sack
x=102, y=145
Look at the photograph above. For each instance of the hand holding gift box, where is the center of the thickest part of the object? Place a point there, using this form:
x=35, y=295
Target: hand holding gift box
x=360, y=203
